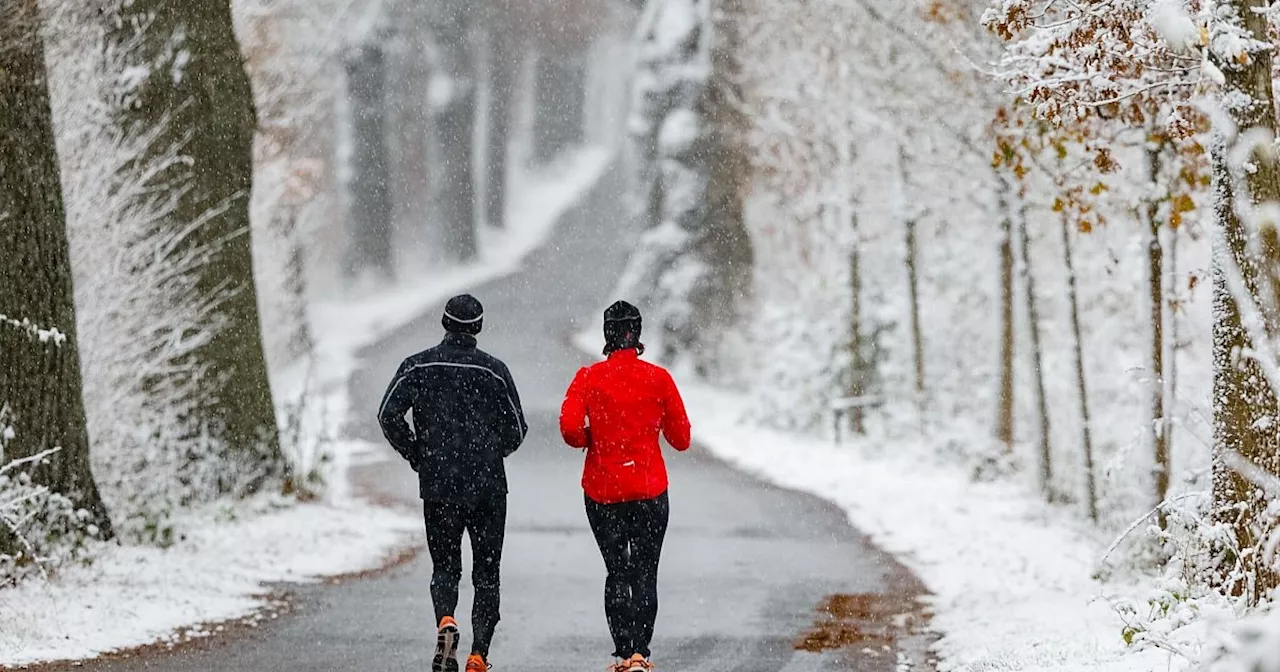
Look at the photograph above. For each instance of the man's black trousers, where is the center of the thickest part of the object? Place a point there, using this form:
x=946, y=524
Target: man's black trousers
x=630, y=536
x=485, y=521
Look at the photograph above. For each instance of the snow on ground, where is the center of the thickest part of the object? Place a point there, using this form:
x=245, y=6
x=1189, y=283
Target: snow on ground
x=135, y=595
x=1011, y=577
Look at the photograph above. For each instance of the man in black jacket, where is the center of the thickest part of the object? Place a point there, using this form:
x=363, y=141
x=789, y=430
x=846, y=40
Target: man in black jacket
x=466, y=420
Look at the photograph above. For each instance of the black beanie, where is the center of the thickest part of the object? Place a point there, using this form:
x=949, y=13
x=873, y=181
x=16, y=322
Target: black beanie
x=463, y=314
x=622, y=326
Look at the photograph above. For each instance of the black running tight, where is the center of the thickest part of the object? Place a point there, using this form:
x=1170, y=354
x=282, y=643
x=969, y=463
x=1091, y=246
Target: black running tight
x=485, y=521
x=630, y=536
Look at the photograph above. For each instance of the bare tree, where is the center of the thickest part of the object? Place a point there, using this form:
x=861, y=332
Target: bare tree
x=1160, y=425
x=453, y=92
x=913, y=280
x=1004, y=410
x=1082, y=390
x=505, y=57
x=39, y=363
x=857, y=361
x=369, y=214
x=1037, y=356
x=408, y=72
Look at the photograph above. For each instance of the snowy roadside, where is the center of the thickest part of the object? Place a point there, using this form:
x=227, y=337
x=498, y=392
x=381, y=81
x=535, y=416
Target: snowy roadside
x=1011, y=578
x=218, y=568
x=135, y=595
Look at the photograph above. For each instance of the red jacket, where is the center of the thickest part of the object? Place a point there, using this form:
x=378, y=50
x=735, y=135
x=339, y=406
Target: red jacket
x=615, y=410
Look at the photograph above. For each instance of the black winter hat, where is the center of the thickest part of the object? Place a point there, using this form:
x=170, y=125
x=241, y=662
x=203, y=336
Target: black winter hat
x=622, y=325
x=463, y=314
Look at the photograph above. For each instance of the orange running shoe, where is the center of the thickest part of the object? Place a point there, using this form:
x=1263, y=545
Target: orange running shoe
x=476, y=663
x=638, y=663
x=446, y=658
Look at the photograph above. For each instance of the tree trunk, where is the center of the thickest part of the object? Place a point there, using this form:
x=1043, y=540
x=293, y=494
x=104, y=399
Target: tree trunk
x=1033, y=318
x=408, y=75
x=455, y=120
x=1086, y=431
x=39, y=377
x=198, y=88
x=504, y=64
x=1004, y=411
x=913, y=280
x=560, y=92
x=1245, y=405
x=370, y=211
x=1171, y=346
x=1161, y=468
x=857, y=363
x=692, y=268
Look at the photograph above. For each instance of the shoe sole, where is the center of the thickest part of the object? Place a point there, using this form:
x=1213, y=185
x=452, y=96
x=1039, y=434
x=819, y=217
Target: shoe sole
x=446, y=648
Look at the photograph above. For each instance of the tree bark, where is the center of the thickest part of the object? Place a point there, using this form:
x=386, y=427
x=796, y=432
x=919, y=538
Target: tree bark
x=1004, y=410
x=1086, y=431
x=857, y=363
x=369, y=217
x=198, y=88
x=1245, y=405
x=408, y=75
x=1161, y=468
x=560, y=92
x=913, y=281
x=504, y=63
x=1033, y=319
x=454, y=113
x=39, y=378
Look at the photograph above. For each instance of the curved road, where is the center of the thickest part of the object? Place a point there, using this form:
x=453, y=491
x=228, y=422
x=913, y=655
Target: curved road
x=745, y=564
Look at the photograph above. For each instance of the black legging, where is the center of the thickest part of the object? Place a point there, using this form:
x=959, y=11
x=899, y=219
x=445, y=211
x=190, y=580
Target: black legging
x=630, y=537
x=486, y=523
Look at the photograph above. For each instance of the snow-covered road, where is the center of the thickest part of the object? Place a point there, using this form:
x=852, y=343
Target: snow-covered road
x=745, y=567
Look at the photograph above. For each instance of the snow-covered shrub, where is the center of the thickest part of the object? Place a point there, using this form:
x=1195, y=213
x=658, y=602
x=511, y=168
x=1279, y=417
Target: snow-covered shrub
x=46, y=525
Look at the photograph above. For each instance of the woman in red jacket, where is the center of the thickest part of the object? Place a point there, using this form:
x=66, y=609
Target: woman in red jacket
x=615, y=409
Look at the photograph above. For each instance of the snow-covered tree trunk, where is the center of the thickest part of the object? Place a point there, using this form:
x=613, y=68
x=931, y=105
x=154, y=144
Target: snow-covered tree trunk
x=560, y=91
x=857, y=360
x=693, y=266
x=40, y=382
x=1004, y=408
x=1160, y=425
x=504, y=62
x=369, y=214
x=408, y=73
x=453, y=102
x=909, y=226
x=1245, y=405
x=1037, y=357
x=1082, y=389
x=188, y=79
